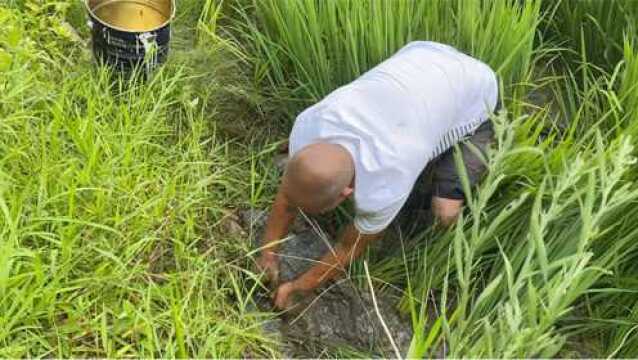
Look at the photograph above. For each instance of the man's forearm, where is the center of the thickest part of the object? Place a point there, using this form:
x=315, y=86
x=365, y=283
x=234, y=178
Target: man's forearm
x=279, y=221
x=350, y=247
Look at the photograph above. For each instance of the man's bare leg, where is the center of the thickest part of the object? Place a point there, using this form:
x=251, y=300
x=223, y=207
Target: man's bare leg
x=446, y=211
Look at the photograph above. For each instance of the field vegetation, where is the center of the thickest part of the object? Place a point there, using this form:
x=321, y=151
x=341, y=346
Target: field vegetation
x=115, y=193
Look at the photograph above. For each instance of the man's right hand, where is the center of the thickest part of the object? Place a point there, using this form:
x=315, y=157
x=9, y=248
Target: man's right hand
x=268, y=263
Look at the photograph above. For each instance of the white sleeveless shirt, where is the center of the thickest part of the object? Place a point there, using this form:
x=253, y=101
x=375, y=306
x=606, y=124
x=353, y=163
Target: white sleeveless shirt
x=396, y=118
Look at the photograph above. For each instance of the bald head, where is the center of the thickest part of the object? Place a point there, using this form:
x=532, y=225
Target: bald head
x=319, y=177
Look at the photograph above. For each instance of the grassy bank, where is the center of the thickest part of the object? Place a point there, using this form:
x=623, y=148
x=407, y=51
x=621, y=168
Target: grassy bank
x=111, y=193
x=114, y=194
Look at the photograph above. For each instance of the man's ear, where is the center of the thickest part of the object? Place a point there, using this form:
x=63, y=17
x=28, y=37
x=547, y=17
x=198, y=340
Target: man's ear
x=347, y=192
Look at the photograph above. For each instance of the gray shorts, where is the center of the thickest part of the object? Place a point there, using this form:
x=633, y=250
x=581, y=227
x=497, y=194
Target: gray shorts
x=446, y=182
x=440, y=178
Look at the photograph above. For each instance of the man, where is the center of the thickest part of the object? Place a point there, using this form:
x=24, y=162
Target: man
x=370, y=140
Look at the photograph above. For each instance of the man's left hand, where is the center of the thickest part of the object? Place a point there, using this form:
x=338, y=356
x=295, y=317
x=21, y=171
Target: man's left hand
x=285, y=294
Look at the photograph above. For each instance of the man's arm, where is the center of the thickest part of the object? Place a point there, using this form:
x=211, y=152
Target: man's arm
x=281, y=217
x=350, y=246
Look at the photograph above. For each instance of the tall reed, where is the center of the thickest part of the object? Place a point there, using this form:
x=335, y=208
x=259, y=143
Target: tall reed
x=305, y=49
x=593, y=30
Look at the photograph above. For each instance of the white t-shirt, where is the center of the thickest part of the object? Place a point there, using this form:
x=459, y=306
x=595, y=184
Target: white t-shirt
x=397, y=117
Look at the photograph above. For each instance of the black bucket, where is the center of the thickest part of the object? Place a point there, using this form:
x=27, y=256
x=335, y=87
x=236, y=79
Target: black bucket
x=129, y=33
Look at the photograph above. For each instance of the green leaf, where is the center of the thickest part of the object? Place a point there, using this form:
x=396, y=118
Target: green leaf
x=5, y=60
x=13, y=36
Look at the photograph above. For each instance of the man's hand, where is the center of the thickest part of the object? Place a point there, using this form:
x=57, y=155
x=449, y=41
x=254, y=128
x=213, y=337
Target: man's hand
x=351, y=245
x=287, y=295
x=269, y=264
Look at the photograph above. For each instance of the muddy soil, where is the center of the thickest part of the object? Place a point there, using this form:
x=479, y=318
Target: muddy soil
x=338, y=315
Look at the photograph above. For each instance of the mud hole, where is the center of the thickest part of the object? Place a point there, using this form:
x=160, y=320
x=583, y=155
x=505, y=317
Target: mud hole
x=337, y=316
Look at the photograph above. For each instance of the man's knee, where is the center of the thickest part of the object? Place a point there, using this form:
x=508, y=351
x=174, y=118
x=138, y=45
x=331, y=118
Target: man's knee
x=446, y=211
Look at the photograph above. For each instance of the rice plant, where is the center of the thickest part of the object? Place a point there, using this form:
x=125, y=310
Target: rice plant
x=304, y=49
x=592, y=30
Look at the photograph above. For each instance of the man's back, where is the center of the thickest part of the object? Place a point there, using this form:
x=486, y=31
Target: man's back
x=397, y=117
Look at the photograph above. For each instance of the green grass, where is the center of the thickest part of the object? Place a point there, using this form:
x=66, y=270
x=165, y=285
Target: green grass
x=590, y=29
x=112, y=192
x=304, y=49
x=110, y=196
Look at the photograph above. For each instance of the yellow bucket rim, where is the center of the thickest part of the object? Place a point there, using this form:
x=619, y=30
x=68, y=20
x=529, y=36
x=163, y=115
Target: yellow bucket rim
x=168, y=21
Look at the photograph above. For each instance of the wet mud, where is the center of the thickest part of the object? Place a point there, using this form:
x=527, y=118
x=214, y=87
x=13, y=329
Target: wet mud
x=335, y=317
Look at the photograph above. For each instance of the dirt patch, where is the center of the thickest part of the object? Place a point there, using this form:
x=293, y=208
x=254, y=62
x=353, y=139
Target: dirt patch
x=339, y=315
x=343, y=316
